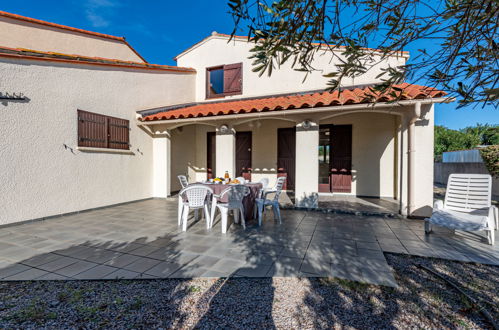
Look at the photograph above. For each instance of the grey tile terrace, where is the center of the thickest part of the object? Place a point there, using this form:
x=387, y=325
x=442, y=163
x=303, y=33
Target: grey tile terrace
x=142, y=240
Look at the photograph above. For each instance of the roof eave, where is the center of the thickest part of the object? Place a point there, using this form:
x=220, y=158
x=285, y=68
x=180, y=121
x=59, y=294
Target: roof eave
x=304, y=110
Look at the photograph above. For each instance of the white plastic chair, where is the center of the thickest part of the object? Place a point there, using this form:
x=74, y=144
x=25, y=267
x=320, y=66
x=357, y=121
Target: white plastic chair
x=195, y=197
x=467, y=206
x=236, y=196
x=263, y=202
x=183, y=183
x=241, y=180
x=265, y=185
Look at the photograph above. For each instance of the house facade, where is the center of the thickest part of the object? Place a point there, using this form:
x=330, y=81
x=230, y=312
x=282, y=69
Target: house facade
x=97, y=125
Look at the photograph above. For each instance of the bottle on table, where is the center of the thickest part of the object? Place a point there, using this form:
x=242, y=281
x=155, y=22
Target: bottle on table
x=227, y=177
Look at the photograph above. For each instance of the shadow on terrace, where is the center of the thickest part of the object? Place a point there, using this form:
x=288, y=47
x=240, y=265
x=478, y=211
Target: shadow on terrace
x=142, y=240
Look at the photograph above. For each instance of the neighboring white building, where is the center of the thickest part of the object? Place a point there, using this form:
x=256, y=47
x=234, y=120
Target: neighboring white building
x=140, y=125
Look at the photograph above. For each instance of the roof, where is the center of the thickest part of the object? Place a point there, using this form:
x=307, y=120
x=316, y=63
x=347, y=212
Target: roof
x=359, y=95
x=69, y=28
x=215, y=34
x=78, y=59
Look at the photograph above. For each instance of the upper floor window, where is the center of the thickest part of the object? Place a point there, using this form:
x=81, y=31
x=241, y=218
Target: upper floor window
x=224, y=80
x=100, y=131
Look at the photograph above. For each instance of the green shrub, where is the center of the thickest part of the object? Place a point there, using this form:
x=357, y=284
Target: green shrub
x=490, y=156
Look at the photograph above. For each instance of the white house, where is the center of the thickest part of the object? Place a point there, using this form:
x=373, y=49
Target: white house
x=97, y=125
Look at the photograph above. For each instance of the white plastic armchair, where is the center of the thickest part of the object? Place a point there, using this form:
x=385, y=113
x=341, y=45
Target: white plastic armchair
x=235, y=196
x=263, y=202
x=265, y=184
x=467, y=206
x=183, y=181
x=195, y=197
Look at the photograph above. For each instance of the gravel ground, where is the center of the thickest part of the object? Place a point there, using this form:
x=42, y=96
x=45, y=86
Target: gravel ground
x=421, y=301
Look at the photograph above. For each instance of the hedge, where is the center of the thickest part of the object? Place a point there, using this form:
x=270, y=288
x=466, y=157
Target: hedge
x=490, y=156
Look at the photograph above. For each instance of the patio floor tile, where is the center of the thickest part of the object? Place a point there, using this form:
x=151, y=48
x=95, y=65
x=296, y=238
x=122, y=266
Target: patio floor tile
x=52, y=277
x=27, y=275
x=188, y=272
x=213, y=273
x=122, y=260
x=59, y=263
x=285, y=267
x=164, y=269
x=121, y=274
x=141, y=265
x=40, y=259
x=143, y=250
x=75, y=268
x=316, y=268
x=250, y=270
x=227, y=266
x=96, y=272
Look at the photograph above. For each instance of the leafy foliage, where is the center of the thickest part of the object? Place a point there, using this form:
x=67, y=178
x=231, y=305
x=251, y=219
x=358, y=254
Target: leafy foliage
x=490, y=156
x=467, y=138
x=452, y=140
x=487, y=134
x=464, y=63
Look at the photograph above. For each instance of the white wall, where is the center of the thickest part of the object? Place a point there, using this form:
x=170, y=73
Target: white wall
x=20, y=34
x=39, y=177
x=216, y=51
x=183, y=154
x=423, y=171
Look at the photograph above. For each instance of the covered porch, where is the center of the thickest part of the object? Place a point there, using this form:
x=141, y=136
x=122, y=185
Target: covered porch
x=327, y=153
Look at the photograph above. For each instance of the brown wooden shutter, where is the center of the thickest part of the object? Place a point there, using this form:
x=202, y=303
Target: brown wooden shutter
x=118, y=131
x=92, y=130
x=233, y=79
x=100, y=131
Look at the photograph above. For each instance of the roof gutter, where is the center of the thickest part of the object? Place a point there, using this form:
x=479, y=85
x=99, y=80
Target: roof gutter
x=298, y=112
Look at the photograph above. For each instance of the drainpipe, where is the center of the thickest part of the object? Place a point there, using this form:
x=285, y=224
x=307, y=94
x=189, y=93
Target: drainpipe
x=412, y=158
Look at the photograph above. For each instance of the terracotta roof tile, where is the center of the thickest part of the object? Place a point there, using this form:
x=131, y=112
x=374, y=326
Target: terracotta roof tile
x=355, y=96
x=70, y=58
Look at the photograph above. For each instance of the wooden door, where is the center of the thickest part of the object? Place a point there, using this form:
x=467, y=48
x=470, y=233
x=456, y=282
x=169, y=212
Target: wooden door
x=341, y=158
x=243, y=154
x=211, y=153
x=286, y=151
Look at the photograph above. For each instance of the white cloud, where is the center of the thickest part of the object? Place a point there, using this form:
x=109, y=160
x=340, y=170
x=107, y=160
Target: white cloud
x=96, y=20
x=97, y=10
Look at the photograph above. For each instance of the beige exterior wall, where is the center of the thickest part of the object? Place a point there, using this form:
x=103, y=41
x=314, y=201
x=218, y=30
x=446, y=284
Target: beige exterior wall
x=21, y=34
x=40, y=176
x=217, y=51
x=373, y=152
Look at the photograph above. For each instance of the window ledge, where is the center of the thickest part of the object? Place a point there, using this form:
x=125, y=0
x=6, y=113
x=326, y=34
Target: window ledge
x=105, y=150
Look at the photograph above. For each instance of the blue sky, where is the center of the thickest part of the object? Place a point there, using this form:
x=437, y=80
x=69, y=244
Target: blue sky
x=159, y=30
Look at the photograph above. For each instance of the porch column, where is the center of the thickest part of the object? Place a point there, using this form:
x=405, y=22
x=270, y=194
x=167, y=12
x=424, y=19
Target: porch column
x=307, y=164
x=225, y=151
x=161, y=165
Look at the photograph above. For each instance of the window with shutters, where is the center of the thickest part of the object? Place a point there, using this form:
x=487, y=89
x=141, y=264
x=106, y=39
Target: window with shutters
x=224, y=80
x=100, y=131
